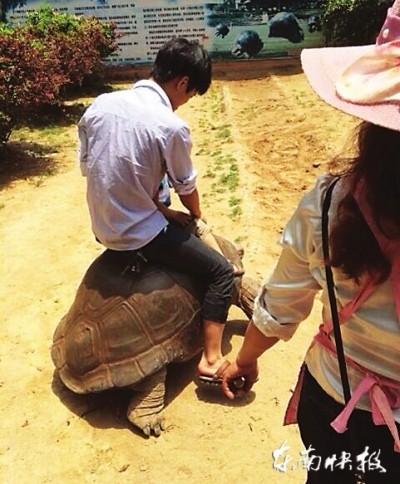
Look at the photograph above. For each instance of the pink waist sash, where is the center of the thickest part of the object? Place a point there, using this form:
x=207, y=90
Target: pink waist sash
x=384, y=395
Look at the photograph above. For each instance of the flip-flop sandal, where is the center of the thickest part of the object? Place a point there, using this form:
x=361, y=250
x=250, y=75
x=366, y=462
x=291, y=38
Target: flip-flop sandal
x=209, y=380
x=234, y=385
x=216, y=380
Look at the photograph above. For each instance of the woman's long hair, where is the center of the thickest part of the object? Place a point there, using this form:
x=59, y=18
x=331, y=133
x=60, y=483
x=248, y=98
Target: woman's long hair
x=354, y=249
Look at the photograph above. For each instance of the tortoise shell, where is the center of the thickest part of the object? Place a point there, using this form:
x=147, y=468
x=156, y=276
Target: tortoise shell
x=124, y=325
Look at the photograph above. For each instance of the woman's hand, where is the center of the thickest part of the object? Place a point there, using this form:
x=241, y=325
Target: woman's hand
x=255, y=343
x=250, y=374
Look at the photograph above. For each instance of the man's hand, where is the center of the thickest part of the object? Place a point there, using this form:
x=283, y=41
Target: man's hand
x=176, y=216
x=182, y=219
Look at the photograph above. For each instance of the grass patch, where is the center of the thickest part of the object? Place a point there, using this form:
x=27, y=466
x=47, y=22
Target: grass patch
x=218, y=188
x=202, y=151
x=239, y=239
x=217, y=101
x=234, y=201
x=224, y=131
x=235, y=213
x=222, y=167
x=53, y=131
x=209, y=174
x=230, y=178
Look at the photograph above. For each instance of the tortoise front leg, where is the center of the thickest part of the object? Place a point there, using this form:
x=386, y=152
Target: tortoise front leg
x=147, y=403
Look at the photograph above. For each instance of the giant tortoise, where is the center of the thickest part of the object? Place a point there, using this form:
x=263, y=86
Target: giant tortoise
x=221, y=30
x=247, y=44
x=125, y=327
x=286, y=25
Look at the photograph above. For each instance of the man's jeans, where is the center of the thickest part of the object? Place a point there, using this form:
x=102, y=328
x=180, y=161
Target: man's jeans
x=182, y=250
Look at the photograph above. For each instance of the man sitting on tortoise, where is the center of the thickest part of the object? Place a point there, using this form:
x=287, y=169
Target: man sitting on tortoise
x=129, y=140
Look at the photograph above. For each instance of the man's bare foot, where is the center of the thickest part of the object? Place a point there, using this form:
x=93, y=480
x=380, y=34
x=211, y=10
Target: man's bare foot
x=235, y=269
x=214, y=369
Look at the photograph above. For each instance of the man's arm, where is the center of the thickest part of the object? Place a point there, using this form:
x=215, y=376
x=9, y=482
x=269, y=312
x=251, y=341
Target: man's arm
x=192, y=203
x=181, y=218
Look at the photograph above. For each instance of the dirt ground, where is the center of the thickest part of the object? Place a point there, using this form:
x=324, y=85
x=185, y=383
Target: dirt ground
x=278, y=137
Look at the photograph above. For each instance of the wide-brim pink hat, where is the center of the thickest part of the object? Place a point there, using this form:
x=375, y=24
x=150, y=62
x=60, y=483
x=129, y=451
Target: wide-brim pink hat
x=362, y=81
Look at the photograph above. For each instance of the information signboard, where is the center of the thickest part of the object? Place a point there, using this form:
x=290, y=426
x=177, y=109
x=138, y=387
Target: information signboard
x=228, y=29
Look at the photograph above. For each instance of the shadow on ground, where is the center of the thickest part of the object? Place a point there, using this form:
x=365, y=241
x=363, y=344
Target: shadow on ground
x=21, y=160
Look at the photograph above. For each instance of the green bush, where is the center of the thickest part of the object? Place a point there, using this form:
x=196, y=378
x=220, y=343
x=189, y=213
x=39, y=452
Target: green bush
x=29, y=77
x=44, y=58
x=78, y=43
x=353, y=22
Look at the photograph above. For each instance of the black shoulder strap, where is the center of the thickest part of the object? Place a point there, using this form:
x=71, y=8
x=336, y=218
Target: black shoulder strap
x=358, y=476
x=331, y=292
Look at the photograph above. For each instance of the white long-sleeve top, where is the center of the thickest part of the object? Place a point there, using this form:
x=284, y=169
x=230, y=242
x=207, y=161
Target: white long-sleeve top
x=128, y=140
x=371, y=336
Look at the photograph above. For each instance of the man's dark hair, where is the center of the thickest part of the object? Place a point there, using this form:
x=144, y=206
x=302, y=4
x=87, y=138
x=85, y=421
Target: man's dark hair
x=181, y=57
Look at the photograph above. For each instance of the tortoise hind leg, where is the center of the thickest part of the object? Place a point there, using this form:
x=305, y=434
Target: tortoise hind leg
x=248, y=292
x=147, y=403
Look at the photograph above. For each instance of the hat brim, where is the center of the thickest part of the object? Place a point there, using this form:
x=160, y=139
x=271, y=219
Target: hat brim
x=324, y=66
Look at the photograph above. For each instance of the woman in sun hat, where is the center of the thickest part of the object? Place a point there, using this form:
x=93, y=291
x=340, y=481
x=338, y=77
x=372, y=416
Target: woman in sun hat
x=347, y=399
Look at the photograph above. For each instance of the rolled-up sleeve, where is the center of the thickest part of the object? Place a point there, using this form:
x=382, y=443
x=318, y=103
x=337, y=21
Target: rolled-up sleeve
x=180, y=169
x=83, y=147
x=287, y=297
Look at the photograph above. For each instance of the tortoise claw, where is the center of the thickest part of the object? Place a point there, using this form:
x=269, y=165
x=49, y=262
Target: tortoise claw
x=149, y=424
x=159, y=427
x=145, y=410
x=153, y=427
